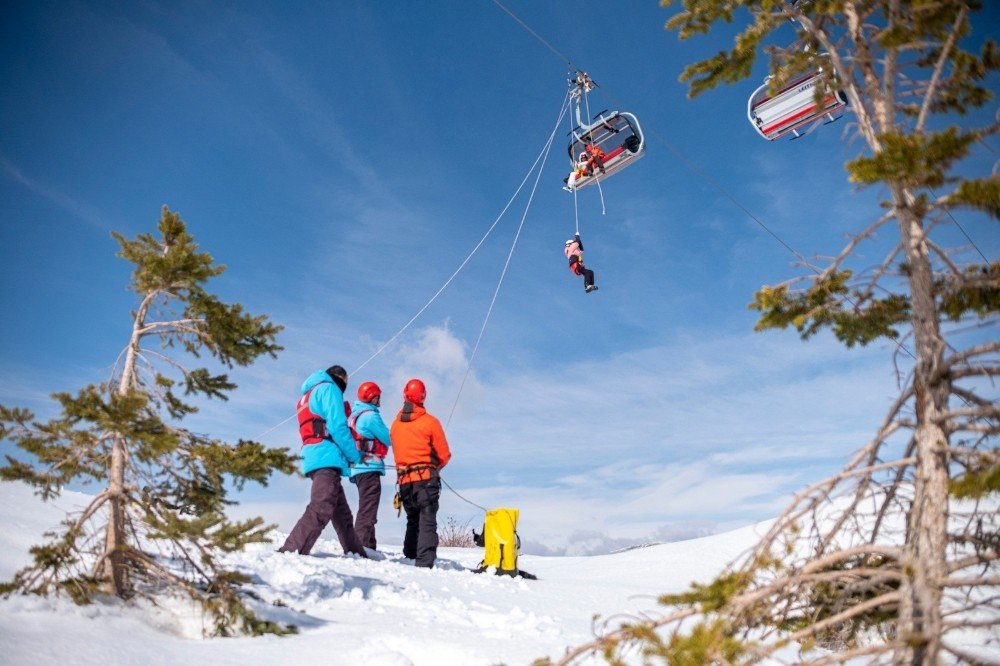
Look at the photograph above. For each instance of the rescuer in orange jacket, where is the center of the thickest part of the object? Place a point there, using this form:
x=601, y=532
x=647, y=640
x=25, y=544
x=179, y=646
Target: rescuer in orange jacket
x=421, y=451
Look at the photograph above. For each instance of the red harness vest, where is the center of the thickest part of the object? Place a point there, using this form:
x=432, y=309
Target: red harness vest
x=366, y=446
x=312, y=427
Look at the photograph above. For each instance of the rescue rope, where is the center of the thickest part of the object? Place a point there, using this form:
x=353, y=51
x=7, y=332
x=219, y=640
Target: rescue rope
x=541, y=156
x=496, y=292
x=688, y=163
x=440, y=478
x=694, y=168
x=543, y=153
x=510, y=254
x=586, y=101
x=576, y=207
x=698, y=171
x=576, y=213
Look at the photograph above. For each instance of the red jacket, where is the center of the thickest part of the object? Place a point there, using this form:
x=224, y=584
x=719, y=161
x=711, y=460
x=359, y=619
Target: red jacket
x=418, y=441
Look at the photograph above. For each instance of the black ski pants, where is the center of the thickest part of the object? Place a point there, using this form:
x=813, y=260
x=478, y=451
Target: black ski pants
x=369, y=493
x=420, y=501
x=580, y=269
x=327, y=503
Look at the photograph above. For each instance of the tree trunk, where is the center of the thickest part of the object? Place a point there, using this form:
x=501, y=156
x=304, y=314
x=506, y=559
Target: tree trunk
x=926, y=539
x=115, y=573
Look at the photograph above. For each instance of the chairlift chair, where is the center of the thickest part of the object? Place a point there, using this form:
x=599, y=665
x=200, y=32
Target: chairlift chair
x=793, y=108
x=618, y=134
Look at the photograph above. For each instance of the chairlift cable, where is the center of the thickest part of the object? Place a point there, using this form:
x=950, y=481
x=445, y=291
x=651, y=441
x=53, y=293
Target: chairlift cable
x=947, y=211
x=482, y=240
x=694, y=168
x=537, y=36
x=688, y=163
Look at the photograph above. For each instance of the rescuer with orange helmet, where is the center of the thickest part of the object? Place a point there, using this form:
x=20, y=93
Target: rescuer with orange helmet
x=421, y=451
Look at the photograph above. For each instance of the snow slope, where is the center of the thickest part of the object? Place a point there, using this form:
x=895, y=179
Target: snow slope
x=351, y=610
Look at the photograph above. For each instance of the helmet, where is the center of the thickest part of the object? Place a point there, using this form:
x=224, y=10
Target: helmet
x=414, y=391
x=368, y=392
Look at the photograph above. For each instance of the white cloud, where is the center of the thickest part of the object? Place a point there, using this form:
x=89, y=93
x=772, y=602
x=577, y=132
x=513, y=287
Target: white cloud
x=76, y=208
x=718, y=431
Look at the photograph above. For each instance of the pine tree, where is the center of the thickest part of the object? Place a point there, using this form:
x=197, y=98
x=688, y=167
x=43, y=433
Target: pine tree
x=878, y=562
x=159, y=523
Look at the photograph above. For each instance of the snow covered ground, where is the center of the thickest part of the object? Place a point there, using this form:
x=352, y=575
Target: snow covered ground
x=351, y=610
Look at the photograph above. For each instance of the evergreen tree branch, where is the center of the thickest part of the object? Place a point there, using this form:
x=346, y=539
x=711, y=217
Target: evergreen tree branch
x=943, y=59
x=887, y=599
x=116, y=434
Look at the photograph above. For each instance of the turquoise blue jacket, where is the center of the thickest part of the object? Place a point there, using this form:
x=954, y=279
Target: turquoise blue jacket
x=370, y=426
x=327, y=402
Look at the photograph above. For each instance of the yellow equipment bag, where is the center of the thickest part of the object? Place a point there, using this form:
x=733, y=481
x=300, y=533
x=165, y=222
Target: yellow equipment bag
x=500, y=541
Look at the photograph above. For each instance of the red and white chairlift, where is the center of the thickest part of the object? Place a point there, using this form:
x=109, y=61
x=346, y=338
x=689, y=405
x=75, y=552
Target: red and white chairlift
x=793, y=109
x=617, y=134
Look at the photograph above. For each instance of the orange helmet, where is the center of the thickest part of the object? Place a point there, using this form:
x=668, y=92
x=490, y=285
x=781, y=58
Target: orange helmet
x=414, y=391
x=368, y=392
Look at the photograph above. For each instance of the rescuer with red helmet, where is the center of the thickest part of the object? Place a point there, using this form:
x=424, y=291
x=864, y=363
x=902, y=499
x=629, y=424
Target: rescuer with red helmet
x=421, y=451
x=373, y=441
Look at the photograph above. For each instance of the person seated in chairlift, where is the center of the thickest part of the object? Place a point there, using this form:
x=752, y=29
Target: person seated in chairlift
x=582, y=168
x=595, y=157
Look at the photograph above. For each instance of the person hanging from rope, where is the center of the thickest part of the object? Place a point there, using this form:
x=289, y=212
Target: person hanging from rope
x=574, y=252
x=421, y=451
x=373, y=440
x=328, y=449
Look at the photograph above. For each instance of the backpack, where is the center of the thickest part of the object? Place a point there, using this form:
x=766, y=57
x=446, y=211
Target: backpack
x=501, y=543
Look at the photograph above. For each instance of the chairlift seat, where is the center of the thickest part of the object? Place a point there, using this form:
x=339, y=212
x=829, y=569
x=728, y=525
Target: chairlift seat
x=628, y=142
x=793, y=107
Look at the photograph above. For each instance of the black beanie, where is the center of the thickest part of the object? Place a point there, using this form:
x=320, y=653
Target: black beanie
x=338, y=375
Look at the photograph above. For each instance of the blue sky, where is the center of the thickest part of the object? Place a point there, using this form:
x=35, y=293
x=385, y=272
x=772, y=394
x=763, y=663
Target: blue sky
x=343, y=159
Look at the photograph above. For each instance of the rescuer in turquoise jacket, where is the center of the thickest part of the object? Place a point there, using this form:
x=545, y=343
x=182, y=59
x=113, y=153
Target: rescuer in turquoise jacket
x=372, y=437
x=338, y=450
x=328, y=449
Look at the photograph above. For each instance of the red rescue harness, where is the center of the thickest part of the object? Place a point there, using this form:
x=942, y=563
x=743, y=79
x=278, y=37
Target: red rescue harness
x=367, y=446
x=312, y=426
